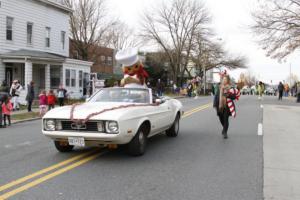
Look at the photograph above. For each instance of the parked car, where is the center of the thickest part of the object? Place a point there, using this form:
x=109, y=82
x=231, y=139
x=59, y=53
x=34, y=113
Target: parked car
x=270, y=91
x=125, y=116
x=246, y=90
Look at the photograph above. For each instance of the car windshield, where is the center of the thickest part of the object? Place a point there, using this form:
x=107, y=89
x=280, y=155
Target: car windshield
x=131, y=95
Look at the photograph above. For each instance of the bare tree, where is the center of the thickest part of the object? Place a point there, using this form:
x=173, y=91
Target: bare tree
x=209, y=55
x=173, y=26
x=121, y=36
x=277, y=25
x=89, y=24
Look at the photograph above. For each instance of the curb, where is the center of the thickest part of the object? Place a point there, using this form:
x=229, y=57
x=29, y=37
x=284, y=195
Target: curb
x=180, y=97
x=26, y=120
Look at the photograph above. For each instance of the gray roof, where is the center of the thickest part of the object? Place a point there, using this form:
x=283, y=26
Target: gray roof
x=57, y=4
x=23, y=53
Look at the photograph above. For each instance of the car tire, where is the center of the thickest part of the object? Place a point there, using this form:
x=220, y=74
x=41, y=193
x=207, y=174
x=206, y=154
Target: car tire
x=63, y=148
x=174, y=129
x=137, y=146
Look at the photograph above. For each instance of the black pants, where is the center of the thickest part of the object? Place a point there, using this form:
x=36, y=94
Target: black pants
x=6, y=117
x=298, y=98
x=50, y=107
x=61, y=101
x=29, y=106
x=224, y=118
x=280, y=95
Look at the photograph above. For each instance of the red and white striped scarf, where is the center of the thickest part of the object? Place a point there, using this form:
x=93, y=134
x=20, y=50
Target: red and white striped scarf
x=236, y=93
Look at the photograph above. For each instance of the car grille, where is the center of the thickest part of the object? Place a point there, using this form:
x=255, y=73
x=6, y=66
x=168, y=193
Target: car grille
x=90, y=126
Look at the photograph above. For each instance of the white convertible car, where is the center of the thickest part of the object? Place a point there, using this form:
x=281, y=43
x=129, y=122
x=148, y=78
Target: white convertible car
x=111, y=117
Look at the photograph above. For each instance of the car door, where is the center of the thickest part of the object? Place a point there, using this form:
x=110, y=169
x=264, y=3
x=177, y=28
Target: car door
x=160, y=117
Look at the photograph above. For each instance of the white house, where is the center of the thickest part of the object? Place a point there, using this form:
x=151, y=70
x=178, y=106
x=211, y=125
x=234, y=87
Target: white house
x=34, y=46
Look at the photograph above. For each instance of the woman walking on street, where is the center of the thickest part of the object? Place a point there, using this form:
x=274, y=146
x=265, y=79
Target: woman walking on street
x=261, y=89
x=280, y=90
x=298, y=92
x=223, y=102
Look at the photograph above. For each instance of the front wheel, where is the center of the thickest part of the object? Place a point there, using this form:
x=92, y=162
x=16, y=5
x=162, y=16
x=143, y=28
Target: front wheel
x=137, y=146
x=174, y=129
x=63, y=146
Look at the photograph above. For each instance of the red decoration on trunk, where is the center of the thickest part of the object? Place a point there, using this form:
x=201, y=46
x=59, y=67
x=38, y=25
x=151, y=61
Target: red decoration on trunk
x=83, y=121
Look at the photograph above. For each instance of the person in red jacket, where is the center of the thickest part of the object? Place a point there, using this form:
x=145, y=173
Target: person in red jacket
x=7, y=107
x=51, y=100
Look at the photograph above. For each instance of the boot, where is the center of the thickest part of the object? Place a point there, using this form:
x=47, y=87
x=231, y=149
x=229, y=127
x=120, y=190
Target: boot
x=225, y=135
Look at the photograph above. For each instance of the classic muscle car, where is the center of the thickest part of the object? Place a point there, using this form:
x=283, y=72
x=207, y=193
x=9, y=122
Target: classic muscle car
x=111, y=117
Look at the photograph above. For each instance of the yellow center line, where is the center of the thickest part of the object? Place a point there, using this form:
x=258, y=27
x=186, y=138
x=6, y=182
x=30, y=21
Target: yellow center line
x=45, y=170
x=49, y=176
x=196, y=110
x=80, y=160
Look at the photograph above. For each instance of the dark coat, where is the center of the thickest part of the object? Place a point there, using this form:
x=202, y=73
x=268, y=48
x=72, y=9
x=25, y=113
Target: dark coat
x=30, y=93
x=280, y=87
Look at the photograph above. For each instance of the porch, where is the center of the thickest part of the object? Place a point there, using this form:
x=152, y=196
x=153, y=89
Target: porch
x=47, y=71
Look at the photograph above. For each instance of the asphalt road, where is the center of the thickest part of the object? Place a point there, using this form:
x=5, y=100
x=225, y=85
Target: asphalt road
x=198, y=164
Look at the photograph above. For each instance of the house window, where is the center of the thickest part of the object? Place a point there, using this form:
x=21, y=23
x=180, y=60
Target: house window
x=29, y=33
x=80, y=78
x=73, y=78
x=63, y=39
x=9, y=28
x=109, y=61
x=102, y=59
x=48, y=36
x=55, y=74
x=68, y=76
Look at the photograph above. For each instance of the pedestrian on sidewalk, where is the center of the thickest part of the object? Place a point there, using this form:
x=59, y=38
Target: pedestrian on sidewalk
x=61, y=94
x=7, y=107
x=30, y=95
x=3, y=97
x=225, y=94
x=15, y=92
x=51, y=100
x=280, y=90
x=160, y=88
x=190, y=88
x=43, y=103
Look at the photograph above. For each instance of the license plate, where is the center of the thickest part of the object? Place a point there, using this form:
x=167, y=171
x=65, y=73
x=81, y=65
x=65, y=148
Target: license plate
x=76, y=141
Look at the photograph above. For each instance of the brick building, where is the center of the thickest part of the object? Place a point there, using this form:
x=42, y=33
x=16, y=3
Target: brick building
x=102, y=57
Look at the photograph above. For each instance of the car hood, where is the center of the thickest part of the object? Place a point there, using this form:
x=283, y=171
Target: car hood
x=83, y=110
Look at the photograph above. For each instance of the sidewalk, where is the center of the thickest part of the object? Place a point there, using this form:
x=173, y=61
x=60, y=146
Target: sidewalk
x=24, y=115
x=281, y=145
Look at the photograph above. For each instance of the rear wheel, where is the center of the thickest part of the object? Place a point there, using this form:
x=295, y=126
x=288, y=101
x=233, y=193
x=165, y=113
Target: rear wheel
x=63, y=146
x=174, y=129
x=137, y=146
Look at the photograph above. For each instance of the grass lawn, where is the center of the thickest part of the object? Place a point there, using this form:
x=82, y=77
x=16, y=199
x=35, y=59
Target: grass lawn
x=24, y=116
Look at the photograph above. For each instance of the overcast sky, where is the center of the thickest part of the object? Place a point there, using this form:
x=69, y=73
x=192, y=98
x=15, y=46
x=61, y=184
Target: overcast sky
x=231, y=19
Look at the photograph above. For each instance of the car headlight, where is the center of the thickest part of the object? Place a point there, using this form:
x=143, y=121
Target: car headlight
x=100, y=126
x=112, y=127
x=49, y=125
